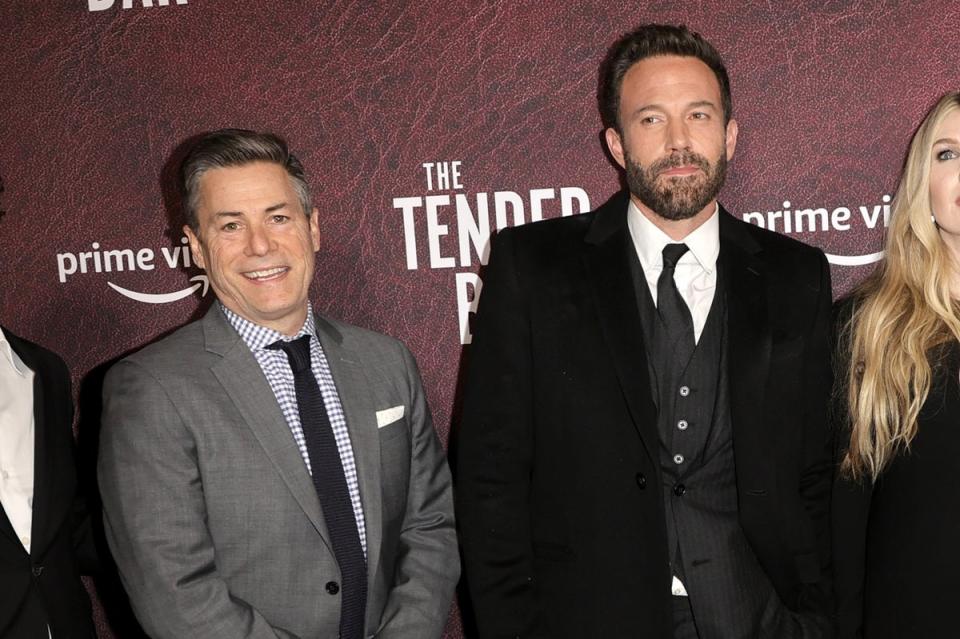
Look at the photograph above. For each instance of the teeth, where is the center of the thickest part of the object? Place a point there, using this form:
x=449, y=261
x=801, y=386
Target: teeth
x=266, y=273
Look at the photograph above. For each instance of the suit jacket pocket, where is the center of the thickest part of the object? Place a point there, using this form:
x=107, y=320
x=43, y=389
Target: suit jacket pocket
x=393, y=431
x=395, y=467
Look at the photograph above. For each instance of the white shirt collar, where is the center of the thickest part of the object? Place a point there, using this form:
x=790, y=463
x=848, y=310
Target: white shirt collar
x=703, y=243
x=9, y=357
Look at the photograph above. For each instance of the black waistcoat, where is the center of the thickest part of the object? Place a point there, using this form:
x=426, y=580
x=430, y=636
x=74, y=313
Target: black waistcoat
x=729, y=592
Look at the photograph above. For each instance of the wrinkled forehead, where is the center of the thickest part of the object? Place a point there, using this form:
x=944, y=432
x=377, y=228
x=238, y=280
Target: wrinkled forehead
x=252, y=186
x=669, y=78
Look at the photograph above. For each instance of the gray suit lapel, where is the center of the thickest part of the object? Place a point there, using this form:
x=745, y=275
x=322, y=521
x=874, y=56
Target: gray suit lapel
x=240, y=375
x=353, y=387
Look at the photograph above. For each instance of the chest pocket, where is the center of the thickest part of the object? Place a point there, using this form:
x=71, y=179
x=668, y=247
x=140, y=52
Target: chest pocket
x=395, y=451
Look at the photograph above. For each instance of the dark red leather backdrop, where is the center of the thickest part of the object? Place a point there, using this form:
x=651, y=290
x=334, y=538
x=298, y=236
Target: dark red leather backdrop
x=96, y=98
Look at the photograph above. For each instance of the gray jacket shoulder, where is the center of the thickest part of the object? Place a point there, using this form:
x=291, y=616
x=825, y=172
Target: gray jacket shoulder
x=188, y=351
x=375, y=348
x=177, y=352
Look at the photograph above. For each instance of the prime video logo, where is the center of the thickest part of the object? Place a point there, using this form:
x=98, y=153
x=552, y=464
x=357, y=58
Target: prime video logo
x=833, y=219
x=97, y=260
x=103, y=5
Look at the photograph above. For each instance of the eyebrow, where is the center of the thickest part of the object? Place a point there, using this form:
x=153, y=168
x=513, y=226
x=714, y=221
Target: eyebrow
x=270, y=209
x=945, y=141
x=691, y=105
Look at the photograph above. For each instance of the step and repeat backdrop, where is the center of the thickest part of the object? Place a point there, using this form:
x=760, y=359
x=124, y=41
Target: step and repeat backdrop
x=424, y=127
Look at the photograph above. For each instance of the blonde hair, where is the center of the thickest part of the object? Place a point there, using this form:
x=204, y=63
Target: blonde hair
x=902, y=313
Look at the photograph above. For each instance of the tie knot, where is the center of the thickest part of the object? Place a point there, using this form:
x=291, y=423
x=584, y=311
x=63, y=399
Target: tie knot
x=297, y=350
x=672, y=254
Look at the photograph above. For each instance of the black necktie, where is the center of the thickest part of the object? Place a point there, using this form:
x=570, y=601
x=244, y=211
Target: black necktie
x=673, y=310
x=330, y=483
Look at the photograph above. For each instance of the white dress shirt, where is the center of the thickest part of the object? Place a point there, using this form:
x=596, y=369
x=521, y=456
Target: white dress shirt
x=16, y=441
x=695, y=275
x=696, y=272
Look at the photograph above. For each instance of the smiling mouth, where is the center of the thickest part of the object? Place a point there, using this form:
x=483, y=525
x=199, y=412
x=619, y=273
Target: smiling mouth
x=266, y=274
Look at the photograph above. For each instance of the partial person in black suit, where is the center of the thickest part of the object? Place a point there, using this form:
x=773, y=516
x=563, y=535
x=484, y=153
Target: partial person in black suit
x=45, y=540
x=644, y=449
x=896, y=510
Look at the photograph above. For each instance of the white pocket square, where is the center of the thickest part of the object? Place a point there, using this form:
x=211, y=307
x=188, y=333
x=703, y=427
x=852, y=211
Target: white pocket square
x=389, y=415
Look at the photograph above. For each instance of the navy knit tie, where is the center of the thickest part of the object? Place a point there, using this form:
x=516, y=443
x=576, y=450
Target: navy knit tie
x=330, y=483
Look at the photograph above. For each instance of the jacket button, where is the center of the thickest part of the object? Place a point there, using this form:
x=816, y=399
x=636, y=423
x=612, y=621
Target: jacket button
x=37, y=571
x=641, y=481
x=332, y=587
x=679, y=490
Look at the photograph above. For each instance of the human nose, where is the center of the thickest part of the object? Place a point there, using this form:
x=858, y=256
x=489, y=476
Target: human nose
x=678, y=135
x=258, y=241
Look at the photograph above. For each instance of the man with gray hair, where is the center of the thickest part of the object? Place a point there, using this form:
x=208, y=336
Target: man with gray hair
x=267, y=471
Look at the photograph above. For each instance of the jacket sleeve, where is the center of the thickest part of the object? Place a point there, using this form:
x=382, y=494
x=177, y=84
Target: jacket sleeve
x=851, y=498
x=84, y=544
x=816, y=478
x=494, y=453
x=428, y=562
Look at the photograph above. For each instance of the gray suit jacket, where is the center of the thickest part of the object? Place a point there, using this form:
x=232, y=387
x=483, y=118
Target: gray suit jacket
x=210, y=512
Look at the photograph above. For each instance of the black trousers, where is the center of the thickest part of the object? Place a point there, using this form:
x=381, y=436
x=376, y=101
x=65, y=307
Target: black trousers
x=683, y=623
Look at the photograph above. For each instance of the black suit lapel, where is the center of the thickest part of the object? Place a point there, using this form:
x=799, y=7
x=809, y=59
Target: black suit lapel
x=6, y=528
x=748, y=326
x=606, y=259
x=42, y=447
x=41, y=458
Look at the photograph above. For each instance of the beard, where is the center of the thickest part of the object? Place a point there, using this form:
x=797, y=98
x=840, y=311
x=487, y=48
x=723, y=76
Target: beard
x=677, y=198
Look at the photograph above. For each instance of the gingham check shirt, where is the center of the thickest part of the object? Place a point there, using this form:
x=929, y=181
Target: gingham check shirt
x=276, y=368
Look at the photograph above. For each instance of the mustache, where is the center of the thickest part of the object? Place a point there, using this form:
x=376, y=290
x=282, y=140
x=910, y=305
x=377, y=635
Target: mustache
x=686, y=158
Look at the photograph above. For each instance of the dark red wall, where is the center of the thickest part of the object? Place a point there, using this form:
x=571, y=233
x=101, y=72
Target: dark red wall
x=95, y=103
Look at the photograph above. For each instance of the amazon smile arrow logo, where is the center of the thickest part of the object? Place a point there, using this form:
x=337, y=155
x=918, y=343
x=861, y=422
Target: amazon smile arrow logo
x=110, y=260
x=165, y=298
x=854, y=260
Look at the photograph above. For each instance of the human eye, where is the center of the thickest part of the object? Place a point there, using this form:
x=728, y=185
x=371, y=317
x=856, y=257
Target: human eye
x=944, y=155
x=230, y=227
x=700, y=115
x=279, y=218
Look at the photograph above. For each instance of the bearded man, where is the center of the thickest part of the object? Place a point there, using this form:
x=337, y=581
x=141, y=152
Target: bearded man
x=644, y=449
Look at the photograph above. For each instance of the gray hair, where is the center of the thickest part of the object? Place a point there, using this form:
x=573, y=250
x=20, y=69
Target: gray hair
x=236, y=147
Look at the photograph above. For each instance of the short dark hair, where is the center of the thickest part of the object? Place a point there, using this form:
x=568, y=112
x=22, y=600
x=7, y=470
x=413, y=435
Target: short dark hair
x=647, y=41
x=236, y=147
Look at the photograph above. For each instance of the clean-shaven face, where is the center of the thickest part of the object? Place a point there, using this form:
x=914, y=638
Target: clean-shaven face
x=256, y=244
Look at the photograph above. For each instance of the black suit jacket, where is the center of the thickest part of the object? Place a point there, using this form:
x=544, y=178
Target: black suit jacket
x=558, y=492
x=44, y=587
